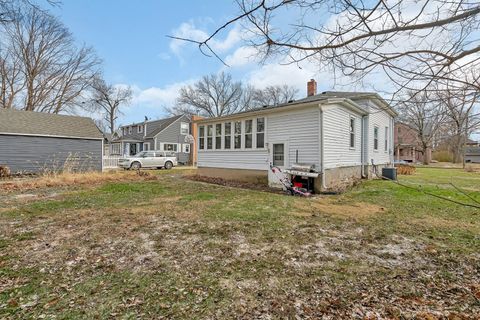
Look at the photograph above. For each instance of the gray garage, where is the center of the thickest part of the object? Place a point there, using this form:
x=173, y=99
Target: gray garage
x=32, y=142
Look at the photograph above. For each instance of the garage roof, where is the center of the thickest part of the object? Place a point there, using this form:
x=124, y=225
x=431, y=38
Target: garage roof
x=47, y=124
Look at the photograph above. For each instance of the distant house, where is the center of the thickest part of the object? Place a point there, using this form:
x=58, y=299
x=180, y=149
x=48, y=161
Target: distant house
x=340, y=136
x=407, y=145
x=165, y=135
x=31, y=142
x=472, y=154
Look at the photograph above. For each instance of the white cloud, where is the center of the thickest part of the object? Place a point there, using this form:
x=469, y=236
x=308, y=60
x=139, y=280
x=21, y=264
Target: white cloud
x=189, y=30
x=241, y=56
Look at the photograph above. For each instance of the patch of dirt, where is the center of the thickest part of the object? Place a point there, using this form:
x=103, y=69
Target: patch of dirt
x=234, y=183
x=334, y=205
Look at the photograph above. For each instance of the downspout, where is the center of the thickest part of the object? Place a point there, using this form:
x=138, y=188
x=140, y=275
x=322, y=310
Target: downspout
x=364, y=146
x=322, y=150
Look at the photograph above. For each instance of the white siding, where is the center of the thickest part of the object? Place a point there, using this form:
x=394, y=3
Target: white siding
x=300, y=131
x=234, y=159
x=380, y=119
x=337, y=151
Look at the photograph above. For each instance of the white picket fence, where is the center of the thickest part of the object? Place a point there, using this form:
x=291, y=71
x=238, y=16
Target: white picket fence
x=110, y=162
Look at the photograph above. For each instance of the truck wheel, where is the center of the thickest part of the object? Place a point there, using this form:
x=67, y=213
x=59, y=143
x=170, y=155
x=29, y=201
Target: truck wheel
x=136, y=165
x=168, y=165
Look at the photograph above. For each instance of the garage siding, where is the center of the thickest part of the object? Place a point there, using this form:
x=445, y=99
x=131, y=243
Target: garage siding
x=29, y=154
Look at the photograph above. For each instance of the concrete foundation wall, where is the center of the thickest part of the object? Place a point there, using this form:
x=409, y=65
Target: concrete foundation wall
x=244, y=175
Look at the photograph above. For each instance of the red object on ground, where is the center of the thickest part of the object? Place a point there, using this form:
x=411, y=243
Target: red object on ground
x=298, y=184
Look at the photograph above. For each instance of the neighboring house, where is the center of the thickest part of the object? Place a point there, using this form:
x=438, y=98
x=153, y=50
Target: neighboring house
x=165, y=135
x=31, y=142
x=472, y=154
x=339, y=133
x=408, y=146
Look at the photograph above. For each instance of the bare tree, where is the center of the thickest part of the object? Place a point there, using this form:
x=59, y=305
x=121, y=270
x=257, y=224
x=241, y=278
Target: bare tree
x=41, y=68
x=109, y=99
x=463, y=117
x=425, y=116
x=414, y=43
x=273, y=95
x=213, y=96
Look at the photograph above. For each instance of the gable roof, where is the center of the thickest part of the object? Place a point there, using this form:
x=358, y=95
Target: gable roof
x=153, y=128
x=46, y=124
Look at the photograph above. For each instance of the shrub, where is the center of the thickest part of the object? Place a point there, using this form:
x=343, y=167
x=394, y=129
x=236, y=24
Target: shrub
x=442, y=156
x=4, y=171
x=405, y=169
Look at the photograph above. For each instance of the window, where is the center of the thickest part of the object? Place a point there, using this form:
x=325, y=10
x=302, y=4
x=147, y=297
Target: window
x=159, y=154
x=139, y=129
x=129, y=130
x=260, y=132
x=210, y=136
x=184, y=128
x=228, y=135
x=386, y=139
x=146, y=146
x=201, y=137
x=278, y=154
x=149, y=154
x=375, y=138
x=170, y=147
x=218, y=136
x=186, y=148
x=352, y=132
x=238, y=135
x=248, y=133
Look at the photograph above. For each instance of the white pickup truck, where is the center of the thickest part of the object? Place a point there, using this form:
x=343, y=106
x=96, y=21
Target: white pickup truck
x=149, y=159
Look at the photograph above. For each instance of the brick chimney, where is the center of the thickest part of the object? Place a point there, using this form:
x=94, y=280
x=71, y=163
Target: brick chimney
x=311, y=87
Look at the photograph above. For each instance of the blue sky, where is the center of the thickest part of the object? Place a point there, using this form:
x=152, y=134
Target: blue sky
x=130, y=37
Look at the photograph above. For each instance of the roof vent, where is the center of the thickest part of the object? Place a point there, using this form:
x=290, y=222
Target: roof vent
x=290, y=101
x=264, y=106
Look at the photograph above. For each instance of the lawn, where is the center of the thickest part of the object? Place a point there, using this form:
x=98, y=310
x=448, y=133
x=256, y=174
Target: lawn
x=163, y=246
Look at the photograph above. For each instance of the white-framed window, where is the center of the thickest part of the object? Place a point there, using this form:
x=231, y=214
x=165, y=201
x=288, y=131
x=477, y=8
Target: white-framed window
x=352, y=132
x=227, y=143
x=129, y=130
x=210, y=136
x=260, y=132
x=170, y=147
x=386, y=139
x=218, y=136
x=375, y=138
x=186, y=148
x=140, y=129
x=248, y=134
x=184, y=128
x=201, y=137
x=278, y=154
x=237, y=144
x=146, y=146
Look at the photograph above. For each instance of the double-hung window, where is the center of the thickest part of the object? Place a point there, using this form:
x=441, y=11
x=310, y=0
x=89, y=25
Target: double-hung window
x=184, y=128
x=238, y=135
x=210, y=136
x=201, y=137
x=218, y=136
x=260, y=132
x=386, y=139
x=140, y=129
x=228, y=135
x=375, y=138
x=248, y=134
x=352, y=132
x=279, y=154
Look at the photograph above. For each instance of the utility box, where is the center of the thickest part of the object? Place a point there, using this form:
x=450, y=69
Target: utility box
x=389, y=173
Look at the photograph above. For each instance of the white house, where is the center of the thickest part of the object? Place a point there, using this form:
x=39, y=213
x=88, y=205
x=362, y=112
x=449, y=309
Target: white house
x=344, y=136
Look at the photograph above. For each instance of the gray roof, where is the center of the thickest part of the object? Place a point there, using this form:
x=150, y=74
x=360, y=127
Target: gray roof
x=318, y=97
x=472, y=151
x=47, y=124
x=153, y=128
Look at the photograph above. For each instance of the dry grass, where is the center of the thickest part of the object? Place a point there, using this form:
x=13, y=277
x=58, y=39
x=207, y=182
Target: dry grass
x=404, y=169
x=69, y=179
